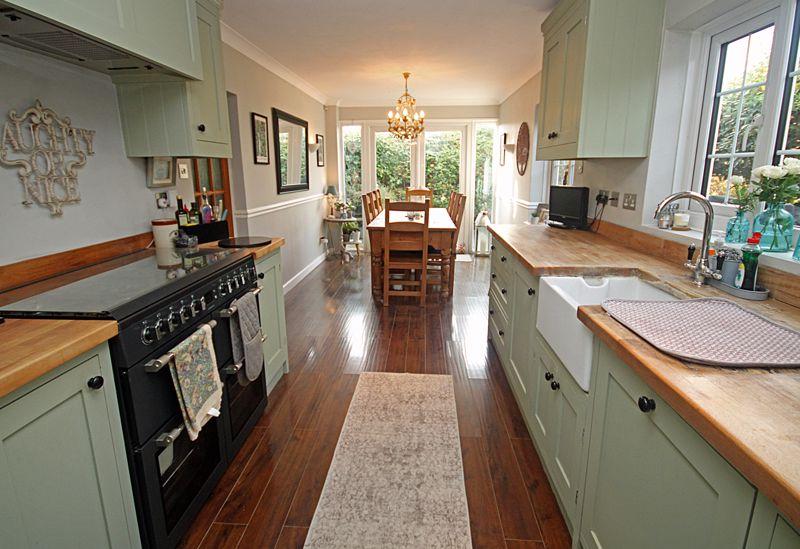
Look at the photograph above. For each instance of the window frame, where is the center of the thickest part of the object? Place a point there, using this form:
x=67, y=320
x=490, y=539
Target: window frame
x=789, y=74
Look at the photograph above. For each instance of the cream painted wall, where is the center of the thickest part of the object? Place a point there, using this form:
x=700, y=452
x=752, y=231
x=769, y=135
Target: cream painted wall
x=295, y=216
x=513, y=188
x=431, y=113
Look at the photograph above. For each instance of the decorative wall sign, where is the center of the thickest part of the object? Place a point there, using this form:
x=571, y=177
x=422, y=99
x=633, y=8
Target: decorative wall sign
x=260, y=138
x=320, y=150
x=523, y=148
x=47, y=153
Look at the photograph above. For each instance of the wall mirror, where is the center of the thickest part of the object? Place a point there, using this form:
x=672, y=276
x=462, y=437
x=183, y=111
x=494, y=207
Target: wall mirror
x=290, y=136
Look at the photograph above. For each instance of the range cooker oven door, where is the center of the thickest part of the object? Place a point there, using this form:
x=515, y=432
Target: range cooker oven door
x=177, y=476
x=243, y=405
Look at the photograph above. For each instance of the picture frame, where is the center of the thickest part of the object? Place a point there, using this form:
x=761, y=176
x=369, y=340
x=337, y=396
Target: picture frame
x=260, y=127
x=320, y=150
x=503, y=149
x=160, y=172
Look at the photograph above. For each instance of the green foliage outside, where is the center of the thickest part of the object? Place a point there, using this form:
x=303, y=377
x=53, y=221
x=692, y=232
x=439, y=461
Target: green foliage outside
x=484, y=146
x=392, y=166
x=442, y=160
x=352, y=169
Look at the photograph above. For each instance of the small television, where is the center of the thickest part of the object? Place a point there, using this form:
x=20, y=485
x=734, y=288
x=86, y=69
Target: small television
x=569, y=206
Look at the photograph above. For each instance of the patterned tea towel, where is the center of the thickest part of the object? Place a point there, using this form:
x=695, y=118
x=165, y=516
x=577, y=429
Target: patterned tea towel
x=246, y=338
x=196, y=379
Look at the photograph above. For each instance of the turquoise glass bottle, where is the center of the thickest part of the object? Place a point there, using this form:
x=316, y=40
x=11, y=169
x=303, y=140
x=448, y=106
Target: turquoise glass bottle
x=738, y=229
x=776, y=226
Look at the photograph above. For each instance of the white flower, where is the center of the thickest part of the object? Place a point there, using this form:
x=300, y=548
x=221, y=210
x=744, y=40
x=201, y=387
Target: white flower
x=737, y=180
x=792, y=165
x=770, y=172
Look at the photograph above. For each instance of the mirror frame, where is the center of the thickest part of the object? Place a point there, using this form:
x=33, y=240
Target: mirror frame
x=277, y=116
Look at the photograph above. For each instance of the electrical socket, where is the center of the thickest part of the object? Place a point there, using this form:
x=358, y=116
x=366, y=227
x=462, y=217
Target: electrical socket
x=629, y=201
x=602, y=197
x=613, y=201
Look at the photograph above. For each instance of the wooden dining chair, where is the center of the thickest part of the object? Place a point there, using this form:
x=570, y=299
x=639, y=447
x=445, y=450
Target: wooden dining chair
x=369, y=207
x=418, y=193
x=452, y=203
x=405, y=251
x=442, y=272
x=377, y=201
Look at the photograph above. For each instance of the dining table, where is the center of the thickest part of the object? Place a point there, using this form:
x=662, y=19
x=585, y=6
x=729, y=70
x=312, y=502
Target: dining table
x=441, y=232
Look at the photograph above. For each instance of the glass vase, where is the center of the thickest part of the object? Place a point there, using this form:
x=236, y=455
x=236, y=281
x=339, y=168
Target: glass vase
x=738, y=229
x=776, y=226
x=796, y=254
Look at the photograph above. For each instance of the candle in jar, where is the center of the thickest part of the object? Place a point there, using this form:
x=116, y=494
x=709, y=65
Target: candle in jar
x=681, y=219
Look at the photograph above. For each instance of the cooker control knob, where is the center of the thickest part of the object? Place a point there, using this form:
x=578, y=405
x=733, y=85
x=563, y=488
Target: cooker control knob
x=148, y=335
x=242, y=278
x=162, y=328
x=223, y=289
x=197, y=307
x=175, y=319
x=186, y=313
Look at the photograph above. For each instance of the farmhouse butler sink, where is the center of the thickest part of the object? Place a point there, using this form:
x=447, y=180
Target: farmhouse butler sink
x=557, y=314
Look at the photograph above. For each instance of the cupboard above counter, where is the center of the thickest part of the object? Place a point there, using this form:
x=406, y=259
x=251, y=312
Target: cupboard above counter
x=599, y=75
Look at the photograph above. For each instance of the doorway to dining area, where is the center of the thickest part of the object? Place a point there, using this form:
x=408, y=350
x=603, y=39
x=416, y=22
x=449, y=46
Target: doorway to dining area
x=449, y=156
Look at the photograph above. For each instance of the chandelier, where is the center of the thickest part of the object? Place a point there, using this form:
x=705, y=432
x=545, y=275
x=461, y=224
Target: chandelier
x=405, y=122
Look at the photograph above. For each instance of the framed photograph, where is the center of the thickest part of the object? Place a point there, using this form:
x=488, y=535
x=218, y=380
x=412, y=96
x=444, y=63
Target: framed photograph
x=160, y=172
x=321, y=150
x=183, y=168
x=260, y=138
x=503, y=150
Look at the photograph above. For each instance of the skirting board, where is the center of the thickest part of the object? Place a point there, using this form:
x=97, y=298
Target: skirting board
x=295, y=280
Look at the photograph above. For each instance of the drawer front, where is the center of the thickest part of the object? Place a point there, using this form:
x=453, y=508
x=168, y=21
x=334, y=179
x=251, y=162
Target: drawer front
x=501, y=259
x=498, y=328
x=501, y=285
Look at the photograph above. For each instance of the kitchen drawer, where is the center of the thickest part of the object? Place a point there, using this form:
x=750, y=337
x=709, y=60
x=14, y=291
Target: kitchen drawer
x=502, y=260
x=502, y=286
x=498, y=329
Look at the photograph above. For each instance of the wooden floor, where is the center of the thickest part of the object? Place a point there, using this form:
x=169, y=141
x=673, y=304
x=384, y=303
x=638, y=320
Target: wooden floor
x=268, y=495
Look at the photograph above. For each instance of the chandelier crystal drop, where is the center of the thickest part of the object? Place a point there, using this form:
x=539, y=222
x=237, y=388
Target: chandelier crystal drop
x=404, y=121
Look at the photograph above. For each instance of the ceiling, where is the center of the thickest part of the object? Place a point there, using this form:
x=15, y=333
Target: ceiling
x=460, y=52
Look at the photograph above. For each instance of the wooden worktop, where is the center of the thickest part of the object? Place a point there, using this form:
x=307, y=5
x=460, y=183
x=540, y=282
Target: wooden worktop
x=33, y=347
x=750, y=416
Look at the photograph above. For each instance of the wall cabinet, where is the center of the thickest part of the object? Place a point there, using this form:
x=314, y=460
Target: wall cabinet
x=599, y=76
x=164, y=115
x=273, y=317
x=652, y=481
x=162, y=32
x=63, y=470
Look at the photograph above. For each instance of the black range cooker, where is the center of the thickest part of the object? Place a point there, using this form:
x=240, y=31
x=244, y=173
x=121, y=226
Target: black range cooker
x=158, y=301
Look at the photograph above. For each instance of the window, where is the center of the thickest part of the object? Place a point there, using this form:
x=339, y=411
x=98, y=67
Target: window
x=351, y=149
x=788, y=142
x=562, y=172
x=484, y=159
x=738, y=105
x=442, y=165
x=392, y=165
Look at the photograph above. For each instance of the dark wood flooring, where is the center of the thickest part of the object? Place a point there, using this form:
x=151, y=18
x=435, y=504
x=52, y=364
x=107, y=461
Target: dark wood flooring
x=268, y=495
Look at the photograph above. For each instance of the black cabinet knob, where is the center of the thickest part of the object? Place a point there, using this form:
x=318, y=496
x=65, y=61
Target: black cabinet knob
x=201, y=127
x=554, y=385
x=646, y=404
x=531, y=291
x=492, y=247
x=501, y=332
x=494, y=275
x=503, y=259
x=548, y=376
x=491, y=311
x=503, y=291
x=261, y=276
x=95, y=382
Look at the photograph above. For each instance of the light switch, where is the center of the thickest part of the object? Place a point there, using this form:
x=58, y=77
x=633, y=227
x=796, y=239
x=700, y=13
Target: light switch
x=629, y=201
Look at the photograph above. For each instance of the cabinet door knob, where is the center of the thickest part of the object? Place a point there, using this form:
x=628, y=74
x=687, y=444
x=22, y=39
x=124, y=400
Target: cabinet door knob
x=646, y=404
x=492, y=246
x=548, y=376
x=201, y=127
x=95, y=382
x=494, y=275
x=491, y=311
x=261, y=276
x=554, y=385
x=501, y=332
x=503, y=291
x=503, y=259
x=531, y=291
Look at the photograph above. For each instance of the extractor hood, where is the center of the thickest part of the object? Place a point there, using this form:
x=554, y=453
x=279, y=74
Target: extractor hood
x=32, y=33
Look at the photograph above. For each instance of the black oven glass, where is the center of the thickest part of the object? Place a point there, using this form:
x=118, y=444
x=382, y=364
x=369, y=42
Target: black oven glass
x=242, y=401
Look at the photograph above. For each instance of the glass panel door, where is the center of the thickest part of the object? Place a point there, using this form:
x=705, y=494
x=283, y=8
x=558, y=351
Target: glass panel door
x=351, y=144
x=484, y=159
x=392, y=165
x=443, y=166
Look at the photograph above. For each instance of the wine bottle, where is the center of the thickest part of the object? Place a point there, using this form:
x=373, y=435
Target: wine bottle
x=194, y=215
x=206, y=212
x=180, y=213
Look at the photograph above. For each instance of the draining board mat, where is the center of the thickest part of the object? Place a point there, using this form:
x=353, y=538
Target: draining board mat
x=711, y=331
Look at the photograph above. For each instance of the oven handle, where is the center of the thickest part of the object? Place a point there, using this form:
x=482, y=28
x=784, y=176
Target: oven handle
x=233, y=368
x=165, y=439
x=230, y=311
x=155, y=365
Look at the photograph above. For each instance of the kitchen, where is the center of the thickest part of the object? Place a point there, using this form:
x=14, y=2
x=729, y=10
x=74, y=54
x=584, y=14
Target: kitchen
x=559, y=425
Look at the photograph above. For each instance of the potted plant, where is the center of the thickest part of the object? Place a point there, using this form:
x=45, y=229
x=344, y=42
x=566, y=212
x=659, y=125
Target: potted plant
x=776, y=186
x=341, y=209
x=738, y=228
x=350, y=231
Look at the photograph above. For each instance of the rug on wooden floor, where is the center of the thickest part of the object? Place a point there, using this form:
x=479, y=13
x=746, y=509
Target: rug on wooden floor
x=396, y=479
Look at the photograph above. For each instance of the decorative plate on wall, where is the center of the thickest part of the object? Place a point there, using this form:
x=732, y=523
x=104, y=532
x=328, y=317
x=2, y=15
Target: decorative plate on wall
x=523, y=148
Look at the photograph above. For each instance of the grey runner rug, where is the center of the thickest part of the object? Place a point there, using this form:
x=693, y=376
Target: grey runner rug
x=396, y=479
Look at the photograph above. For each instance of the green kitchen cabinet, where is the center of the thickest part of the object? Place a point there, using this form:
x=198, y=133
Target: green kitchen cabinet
x=769, y=529
x=164, y=115
x=501, y=303
x=273, y=317
x=63, y=471
x=164, y=33
x=652, y=481
x=599, y=77
x=523, y=323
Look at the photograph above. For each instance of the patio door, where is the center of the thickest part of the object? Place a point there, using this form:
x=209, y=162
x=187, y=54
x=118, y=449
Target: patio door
x=391, y=165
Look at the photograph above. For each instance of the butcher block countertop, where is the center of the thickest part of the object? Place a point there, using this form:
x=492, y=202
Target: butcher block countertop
x=33, y=347
x=750, y=416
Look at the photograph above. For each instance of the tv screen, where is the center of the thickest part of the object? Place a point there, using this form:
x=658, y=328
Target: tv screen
x=569, y=205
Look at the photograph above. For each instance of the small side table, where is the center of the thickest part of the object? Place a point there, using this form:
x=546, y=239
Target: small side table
x=337, y=238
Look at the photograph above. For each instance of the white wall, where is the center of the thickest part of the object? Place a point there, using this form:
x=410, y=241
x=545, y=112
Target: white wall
x=114, y=200
x=296, y=216
x=515, y=193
